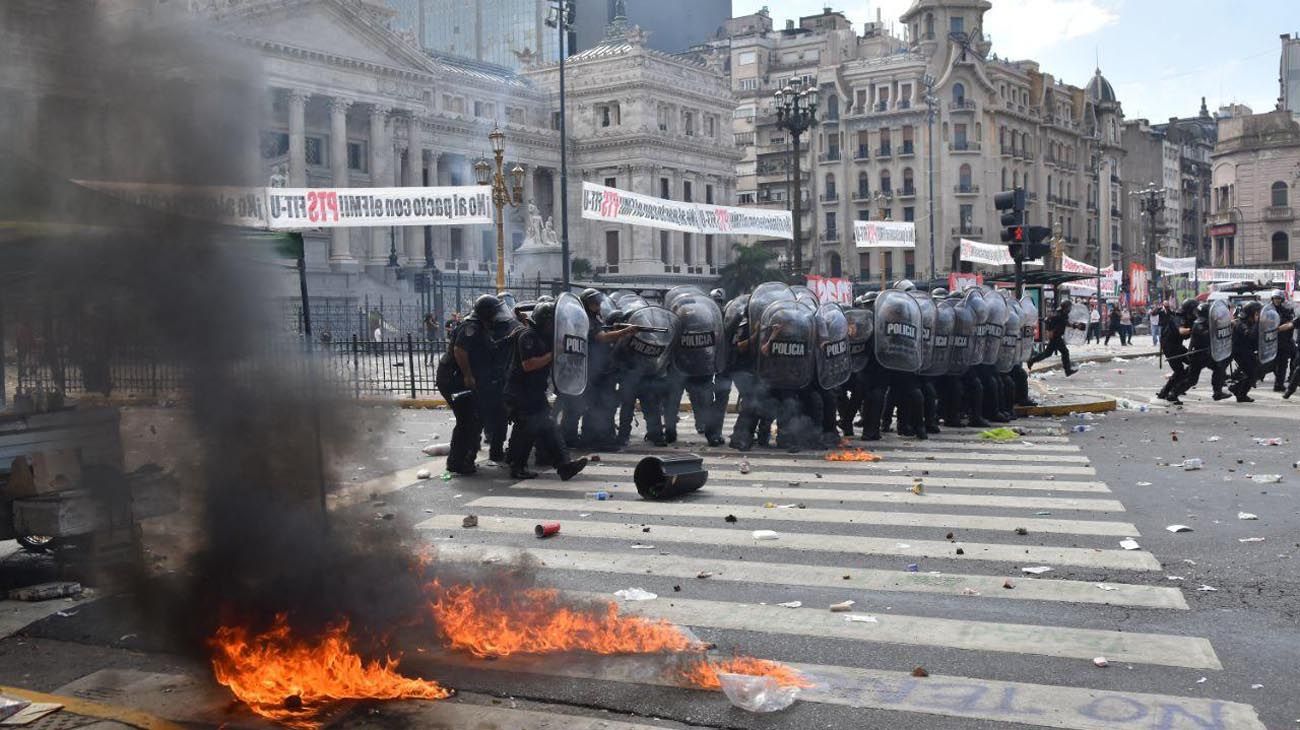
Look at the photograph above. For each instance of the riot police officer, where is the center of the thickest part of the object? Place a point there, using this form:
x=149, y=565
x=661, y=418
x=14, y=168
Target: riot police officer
x=478, y=355
x=451, y=385
x=597, y=405
x=1171, y=346
x=722, y=380
x=1286, y=351
x=528, y=376
x=1245, y=340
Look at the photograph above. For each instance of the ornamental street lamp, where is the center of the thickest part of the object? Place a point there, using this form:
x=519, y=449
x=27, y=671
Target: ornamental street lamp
x=796, y=112
x=502, y=195
x=1151, y=202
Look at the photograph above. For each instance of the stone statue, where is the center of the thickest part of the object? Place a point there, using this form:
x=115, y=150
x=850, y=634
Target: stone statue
x=549, y=236
x=533, y=229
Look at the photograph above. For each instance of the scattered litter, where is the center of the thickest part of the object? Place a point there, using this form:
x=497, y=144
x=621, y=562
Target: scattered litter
x=1105, y=587
x=1207, y=589
x=861, y=618
x=584, y=514
x=1174, y=577
x=1202, y=680
x=765, y=535
x=546, y=529
x=437, y=449
x=446, y=476
x=1247, y=516
x=1081, y=428
x=757, y=694
x=1250, y=539
x=1212, y=439
x=65, y=613
x=968, y=591
x=704, y=574
x=1008, y=584
x=1144, y=484
x=635, y=594
x=920, y=672
x=423, y=474
x=1173, y=435
x=1042, y=513
x=1268, y=442
x=1036, y=570
x=769, y=505
x=1022, y=531
x=1100, y=662
x=729, y=518
x=744, y=467
x=640, y=546
x=600, y=496
x=594, y=458
x=1129, y=544
x=1266, y=478
x=46, y=591
x=127, y=637
x=1257, y=686
x=842, y=606
x=791, y=604
x=902, y=546
x=913, y=567
x=1192, y=464
x=469, y=521
x=999, y=434
x=1178, y=528
x=918, y=488
x=960, y=551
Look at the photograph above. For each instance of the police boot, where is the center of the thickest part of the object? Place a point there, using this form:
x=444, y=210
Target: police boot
x=569, y=469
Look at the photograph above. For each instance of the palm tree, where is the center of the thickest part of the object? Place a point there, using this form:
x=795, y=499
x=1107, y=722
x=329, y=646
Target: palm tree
x=749, y=267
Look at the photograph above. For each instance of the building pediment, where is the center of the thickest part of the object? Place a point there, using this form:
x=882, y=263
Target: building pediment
x=339, y=28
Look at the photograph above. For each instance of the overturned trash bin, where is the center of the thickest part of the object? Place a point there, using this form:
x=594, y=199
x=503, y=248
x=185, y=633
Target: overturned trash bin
x=664, y=478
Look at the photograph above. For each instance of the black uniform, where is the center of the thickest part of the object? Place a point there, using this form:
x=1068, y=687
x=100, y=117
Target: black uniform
x=1056, y=326
x=465, y=434
x=487, y=363
x=1285, y=346
x=1245, y=340
x=1171, y=346
x=527, y=407
x=601, y=396
x=700, y=390
x=752, y=391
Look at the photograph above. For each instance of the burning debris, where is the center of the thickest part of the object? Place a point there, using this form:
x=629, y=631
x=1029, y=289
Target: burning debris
x=858, y=454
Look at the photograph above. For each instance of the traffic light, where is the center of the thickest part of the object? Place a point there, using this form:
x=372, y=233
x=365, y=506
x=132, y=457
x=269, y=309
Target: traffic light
x=1011, y=203
x=1036, y=237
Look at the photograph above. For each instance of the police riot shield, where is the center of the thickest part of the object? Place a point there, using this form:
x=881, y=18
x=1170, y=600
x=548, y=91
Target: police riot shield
x=1269, y=320
x=607, y=307
x=569, y=364
x=861, y=325
x=630, y=304
x=993, y=326
x=1074, y=335
x=1028, y=327
x=834, y=365
x=787, y=336
x=980, y=312
x=762, y=296
x=928, y=313
x=681, y=291
x=941, y=349
x=618, y=294
x=651, y=349
x=898, y=331
x=700, y=347
x=806, y=297
x=1010, y=350
x=735, y=311
x=1220, y=331
x=961, y=346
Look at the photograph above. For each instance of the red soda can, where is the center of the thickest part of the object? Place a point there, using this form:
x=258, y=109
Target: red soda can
x=546, y=529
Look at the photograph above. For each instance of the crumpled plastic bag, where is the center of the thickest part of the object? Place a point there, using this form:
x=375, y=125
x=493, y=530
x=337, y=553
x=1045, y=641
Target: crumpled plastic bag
x=999, y=434
x=757, y=694
x=635, y=594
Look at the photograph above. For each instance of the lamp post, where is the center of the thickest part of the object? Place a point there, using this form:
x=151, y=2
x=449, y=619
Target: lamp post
x=561, y=17
x=796, y=112
x=931, y=103
x=502, y=195
x=1151, y=201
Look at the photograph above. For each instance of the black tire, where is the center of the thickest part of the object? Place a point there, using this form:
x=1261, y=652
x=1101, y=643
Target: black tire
x=35, y=543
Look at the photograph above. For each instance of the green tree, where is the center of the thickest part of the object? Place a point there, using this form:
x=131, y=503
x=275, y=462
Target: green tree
x=749, y=267
x=580, y=268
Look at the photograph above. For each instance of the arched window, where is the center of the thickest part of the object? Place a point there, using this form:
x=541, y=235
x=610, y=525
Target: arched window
x=885, y=185
x=963, y=176
x=1004, y=178
x=929, y=26
x=958, y=93
x=1279, y=194
x=864, y=184
x=1281, y=247
x=908, y=188
x=1002, y=137
x=830, y=186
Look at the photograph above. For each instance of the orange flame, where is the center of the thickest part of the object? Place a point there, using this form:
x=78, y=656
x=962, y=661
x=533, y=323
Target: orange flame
x=852, y=455
x=704, y=674
x=535, y=621
x=292, y=680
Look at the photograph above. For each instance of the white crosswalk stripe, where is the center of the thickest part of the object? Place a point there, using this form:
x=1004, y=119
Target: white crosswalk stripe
x=831, y=516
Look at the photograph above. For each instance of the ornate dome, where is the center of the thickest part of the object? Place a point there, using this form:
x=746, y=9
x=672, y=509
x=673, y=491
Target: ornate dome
x=1100, y=90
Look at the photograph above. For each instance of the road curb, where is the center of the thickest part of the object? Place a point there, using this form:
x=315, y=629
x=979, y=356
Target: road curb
x=1065, y=409
x=86, y=708
x=1095, y=358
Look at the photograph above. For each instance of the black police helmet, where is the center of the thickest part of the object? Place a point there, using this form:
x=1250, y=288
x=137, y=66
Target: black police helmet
x=939, y=293
x=718, y=295
x=1251, y=308
x=589, y=295
x=1189, y=307
x=486, y=306
x=544, y=314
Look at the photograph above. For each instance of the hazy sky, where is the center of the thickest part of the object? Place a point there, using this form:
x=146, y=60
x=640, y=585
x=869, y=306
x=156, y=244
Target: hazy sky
x=1161, y=56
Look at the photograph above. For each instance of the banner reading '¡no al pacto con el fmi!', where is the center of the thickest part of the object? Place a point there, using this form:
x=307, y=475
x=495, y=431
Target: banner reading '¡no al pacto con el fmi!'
x=620, y=206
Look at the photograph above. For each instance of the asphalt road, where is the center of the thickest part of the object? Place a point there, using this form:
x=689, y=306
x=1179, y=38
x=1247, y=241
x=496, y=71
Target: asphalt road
x=1020, y=657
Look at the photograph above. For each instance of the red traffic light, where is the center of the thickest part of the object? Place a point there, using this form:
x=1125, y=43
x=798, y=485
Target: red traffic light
x=1013, y=234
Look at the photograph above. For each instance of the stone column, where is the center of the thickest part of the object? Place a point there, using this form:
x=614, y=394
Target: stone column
x=297, y=138
x=380, y=176
x=340, y=254
x=414, y=178
x=429, y=165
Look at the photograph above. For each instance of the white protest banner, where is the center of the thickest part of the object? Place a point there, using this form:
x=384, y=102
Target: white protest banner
x=884, y=234
x=990, y=254
x=1175, y=266
x=831, y=289
x=234, y=206
x=291, y=208
x=620, y=206
x=1264, y=275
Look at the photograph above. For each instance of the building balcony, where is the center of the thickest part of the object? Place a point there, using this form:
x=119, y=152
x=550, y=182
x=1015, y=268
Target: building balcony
x=1031, y=196
x=884, y=152
x=962, y=105
x=907, y=150
x=907, y=191
x=1006, y=150
x=1050, y=160
x=968, y=231
x=831, y=197
x=863, y=152
x=862, y=196
x=1019, y=154
x=966, y=189
x=831, y=155
x=904, y=104
x=1278, y=213
x=830, y=235
x=881, y=106
x=964, y=145
x=1116, y=213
